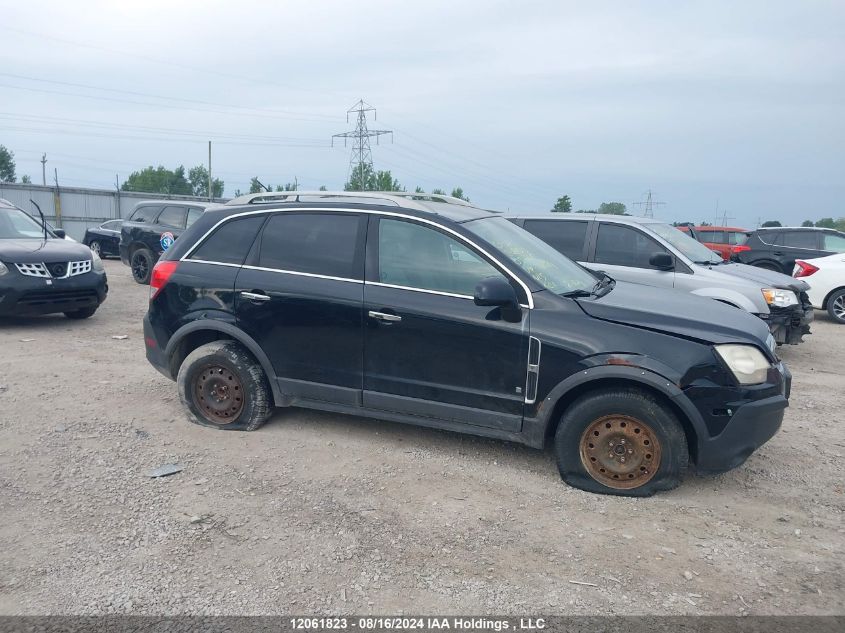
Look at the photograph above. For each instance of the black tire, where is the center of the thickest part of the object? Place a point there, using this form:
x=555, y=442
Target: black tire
x=96, y=247
x=142, y=263
x=224, y=368
x=836, y=306
x=81, y=314
x=642, y=417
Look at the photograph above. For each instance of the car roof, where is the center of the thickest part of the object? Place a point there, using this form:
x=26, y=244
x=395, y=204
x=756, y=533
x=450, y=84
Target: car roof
x=626, y=219
x=720, y=228
x=772, y=229
x=5, y=204
x=179, y=203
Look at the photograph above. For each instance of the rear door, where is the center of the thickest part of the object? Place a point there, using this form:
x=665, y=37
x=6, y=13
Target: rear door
x=429, y=350
x=623, y=252
x=569, y=237
x=299, y=296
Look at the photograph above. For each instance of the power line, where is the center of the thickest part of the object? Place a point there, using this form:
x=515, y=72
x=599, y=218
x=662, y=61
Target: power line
x=648, y=204
x=361, y=159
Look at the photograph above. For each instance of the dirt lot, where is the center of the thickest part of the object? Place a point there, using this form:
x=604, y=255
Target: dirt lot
x=319, y=513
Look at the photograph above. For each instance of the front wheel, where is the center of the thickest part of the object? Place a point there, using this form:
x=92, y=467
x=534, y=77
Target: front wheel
x=836, y=306
x=95, y=246
x=224, y=387
x=142, y=266
x=621, y=442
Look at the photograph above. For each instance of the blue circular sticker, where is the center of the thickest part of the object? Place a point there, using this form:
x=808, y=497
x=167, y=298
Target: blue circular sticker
x=167, y=240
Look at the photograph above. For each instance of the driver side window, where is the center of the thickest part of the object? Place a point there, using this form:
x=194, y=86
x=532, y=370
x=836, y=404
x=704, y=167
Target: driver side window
x=619, y=245
x=420, y=257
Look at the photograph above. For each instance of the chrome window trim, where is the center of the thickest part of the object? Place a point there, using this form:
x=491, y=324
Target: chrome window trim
x=266, y=211
x=426, y=290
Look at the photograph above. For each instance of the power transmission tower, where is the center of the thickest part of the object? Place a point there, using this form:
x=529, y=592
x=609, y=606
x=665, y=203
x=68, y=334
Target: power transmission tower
x=648, y=204
x=361, y=160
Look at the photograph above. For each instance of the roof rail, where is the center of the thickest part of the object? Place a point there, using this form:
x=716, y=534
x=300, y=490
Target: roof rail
x=397, y=198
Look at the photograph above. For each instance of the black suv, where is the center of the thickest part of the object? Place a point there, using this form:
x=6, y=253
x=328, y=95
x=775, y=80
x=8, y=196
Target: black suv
x=151, y=229
x=428, y=311
x=778, y=248
x=43, y=273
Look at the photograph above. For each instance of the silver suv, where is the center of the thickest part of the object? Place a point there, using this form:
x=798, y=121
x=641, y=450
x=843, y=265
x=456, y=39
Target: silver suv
x=653, y=253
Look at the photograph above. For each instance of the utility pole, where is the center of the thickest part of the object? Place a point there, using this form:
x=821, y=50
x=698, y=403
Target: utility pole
x=44, y=169
x=57, y=200
x=361, y=160
x=210, y=192
x=649, y=204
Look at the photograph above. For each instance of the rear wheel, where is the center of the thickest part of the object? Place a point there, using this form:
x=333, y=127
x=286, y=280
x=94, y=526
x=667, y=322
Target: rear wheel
x=95, y=246
x=224, y=387
x=142, y=266
x=836, y=306
x=81, y=314
x=621, y=442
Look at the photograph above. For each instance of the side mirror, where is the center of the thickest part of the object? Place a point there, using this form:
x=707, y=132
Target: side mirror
x=60, y=233
x=495, y=291
x=662, y=261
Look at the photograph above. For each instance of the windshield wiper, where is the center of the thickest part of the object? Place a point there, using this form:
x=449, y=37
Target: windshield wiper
x=604, y=285
x=574, y=294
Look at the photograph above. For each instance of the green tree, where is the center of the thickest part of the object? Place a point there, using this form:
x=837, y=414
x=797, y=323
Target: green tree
x=198, y=177
x=25, y=179
x=457, y=192
x=419, y=190
x=768, y=223
x=385, y=181
x=807, y=223
x=323, y=188
x=7, y=165
x=365, y=179
x=826, y=223
x=563, y=205
x=438, y=192
x=613, y=208
x=286, y=187
x=255, y=185
x=159, y=180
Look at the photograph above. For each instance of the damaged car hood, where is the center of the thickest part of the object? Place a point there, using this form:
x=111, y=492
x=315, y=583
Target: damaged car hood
x=677, y=313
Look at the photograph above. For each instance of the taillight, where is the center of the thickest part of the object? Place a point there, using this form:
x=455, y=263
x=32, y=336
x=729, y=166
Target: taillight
x=160, y=276
x=739, y=248
x=803, y=269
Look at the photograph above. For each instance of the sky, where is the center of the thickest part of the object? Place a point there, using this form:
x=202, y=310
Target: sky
x=722, y=109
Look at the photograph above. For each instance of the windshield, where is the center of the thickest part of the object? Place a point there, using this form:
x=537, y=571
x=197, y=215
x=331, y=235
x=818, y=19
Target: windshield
x=690, y=248
x=17, y=225
x=546, y=266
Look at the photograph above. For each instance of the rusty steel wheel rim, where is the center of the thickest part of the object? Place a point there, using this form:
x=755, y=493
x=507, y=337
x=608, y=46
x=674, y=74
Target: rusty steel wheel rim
x=620, y=452
x=219, y=394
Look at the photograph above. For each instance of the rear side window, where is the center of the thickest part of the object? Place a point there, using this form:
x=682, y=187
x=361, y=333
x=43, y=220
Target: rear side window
x=714, y=237
x=623, y=246
x=145, y=214
x=230, y=243
x=193, y=215
x=564, y=236
x=316, y=243
x=833, y=242
x=801, y=239
x=173, y=216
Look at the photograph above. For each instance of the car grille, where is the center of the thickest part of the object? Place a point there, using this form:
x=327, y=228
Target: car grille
x=56, y=270
x=72, y=297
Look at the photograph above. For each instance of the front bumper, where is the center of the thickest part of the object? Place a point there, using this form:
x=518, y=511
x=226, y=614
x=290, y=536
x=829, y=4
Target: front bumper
x=21, y=295
x=751, y=425
x=789, y=325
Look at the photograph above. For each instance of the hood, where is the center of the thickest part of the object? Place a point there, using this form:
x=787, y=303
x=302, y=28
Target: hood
x=766, y=278
x=677, y=313
x=37, y=250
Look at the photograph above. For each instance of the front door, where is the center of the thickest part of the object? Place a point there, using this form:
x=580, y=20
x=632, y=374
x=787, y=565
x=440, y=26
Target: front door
x=300, y=298
x=428, y=349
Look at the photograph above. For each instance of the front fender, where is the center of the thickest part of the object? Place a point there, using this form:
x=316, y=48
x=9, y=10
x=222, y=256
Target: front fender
x=726, y=295
x=535, y=429
x=233, y=332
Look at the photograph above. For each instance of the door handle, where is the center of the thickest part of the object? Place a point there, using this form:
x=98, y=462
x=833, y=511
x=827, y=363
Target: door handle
x=384, y=316
x=253, y=296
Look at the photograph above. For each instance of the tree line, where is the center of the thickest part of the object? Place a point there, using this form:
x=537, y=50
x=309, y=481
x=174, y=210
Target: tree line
x=564, y=205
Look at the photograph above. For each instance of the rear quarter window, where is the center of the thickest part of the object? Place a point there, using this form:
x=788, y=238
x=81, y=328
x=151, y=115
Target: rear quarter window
x=230, y=242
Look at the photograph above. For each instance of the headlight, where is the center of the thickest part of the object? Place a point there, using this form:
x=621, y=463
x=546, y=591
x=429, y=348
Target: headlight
x=780, y=298
x=97, y=263
x=747, y=363
x=3, y=269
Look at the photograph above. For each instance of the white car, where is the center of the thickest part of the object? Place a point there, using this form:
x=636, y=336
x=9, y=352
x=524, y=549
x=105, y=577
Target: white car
x=826, y=276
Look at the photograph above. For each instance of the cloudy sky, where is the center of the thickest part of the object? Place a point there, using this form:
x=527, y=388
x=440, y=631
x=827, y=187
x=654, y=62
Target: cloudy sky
x=729, y=105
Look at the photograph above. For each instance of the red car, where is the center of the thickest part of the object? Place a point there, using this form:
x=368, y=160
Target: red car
x=725, y=240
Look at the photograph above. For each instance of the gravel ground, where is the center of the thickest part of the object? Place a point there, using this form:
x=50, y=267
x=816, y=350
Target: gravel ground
x=325, y=513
